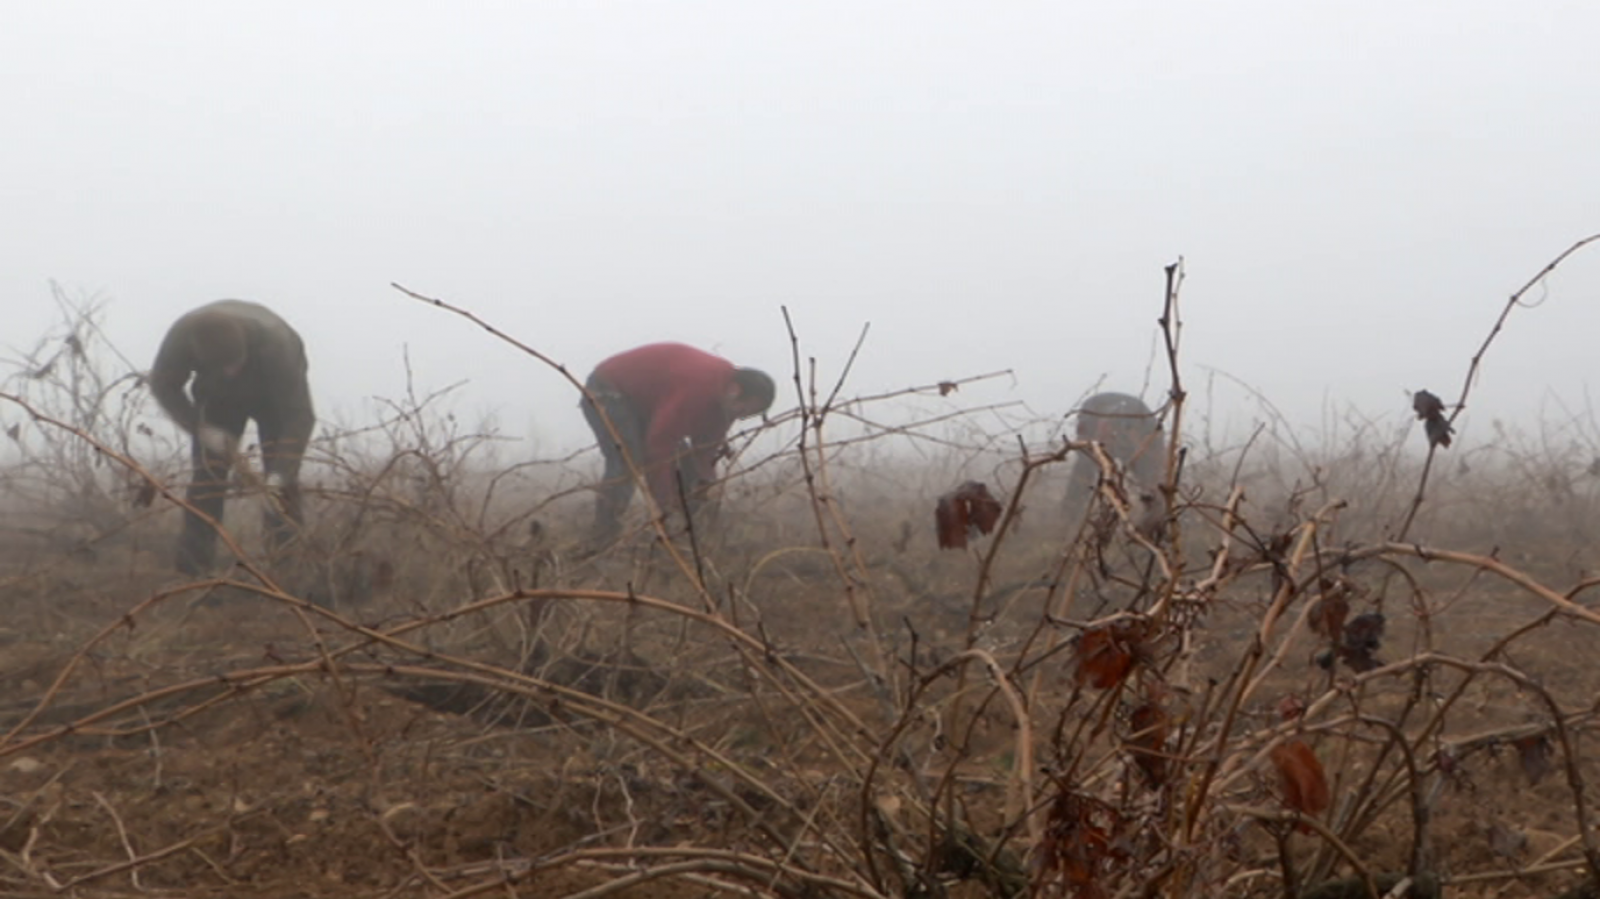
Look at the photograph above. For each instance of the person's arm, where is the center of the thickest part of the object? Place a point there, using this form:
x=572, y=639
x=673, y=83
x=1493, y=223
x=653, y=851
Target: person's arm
x=709, y=449
x=168, y=376
x=669, y=426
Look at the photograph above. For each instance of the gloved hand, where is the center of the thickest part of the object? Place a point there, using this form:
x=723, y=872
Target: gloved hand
x=216, y=441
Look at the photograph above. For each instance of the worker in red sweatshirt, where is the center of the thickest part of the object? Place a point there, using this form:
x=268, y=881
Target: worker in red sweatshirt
x=671, y=406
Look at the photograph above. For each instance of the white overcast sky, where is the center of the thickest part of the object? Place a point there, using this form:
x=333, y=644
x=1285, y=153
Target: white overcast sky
x=1356, y=188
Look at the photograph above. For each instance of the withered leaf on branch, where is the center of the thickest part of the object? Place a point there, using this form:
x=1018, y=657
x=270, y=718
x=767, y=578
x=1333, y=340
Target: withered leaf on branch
x=1362, y=637
x=1300, y=777
x=1082, y=842
x=964, y=513
x=1426, y=404
x=1102, y=661
x=1328, y=615
x=1430, y=411
x=1147, y=742
x=1438, y=431
x=1106, y=654
x=1363, y=634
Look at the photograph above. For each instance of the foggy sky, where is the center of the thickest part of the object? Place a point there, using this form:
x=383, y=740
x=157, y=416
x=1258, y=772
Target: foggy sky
x=1356, y=189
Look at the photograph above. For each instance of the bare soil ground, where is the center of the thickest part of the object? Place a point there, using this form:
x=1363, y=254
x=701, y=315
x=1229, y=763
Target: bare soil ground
x=525, y=721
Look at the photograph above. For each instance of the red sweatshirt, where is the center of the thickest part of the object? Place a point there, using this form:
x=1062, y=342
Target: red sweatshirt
x=678, y=390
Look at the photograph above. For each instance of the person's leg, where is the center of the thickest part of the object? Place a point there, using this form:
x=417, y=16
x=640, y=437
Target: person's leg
x=284, y=436
x=208, y=490
x=616, y=486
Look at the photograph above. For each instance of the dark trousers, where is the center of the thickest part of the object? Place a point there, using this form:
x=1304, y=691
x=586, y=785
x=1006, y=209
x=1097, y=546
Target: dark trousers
x=616, y=485
x=283, y=437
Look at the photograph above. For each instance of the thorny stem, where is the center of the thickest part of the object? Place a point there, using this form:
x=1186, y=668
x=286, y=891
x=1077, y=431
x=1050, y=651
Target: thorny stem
x=1473, y=366
x=1172, y=334
x=813, y=417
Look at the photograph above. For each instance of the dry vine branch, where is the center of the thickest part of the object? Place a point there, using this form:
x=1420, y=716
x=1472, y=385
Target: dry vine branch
x=1460, y=404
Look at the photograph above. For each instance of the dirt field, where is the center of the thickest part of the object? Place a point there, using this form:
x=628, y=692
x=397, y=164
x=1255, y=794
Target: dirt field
x=1320, y=672
x=483, y=711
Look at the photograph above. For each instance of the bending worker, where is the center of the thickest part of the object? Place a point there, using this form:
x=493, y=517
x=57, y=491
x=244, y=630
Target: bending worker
x=671, y=406
x=246, y=364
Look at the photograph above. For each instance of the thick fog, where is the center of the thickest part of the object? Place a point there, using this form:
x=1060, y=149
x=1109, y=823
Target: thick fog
x=1356, y=188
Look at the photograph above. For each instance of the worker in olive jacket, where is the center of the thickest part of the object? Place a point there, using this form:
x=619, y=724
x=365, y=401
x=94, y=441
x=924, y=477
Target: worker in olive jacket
x=241, y=363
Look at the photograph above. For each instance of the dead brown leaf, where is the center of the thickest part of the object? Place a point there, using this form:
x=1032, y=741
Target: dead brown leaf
x=1300, y=777
x=1106, y=654
x=1430, y=411
x=1080, y=845
x=1328, y=615
x=1149, y=723
x=965, y=513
